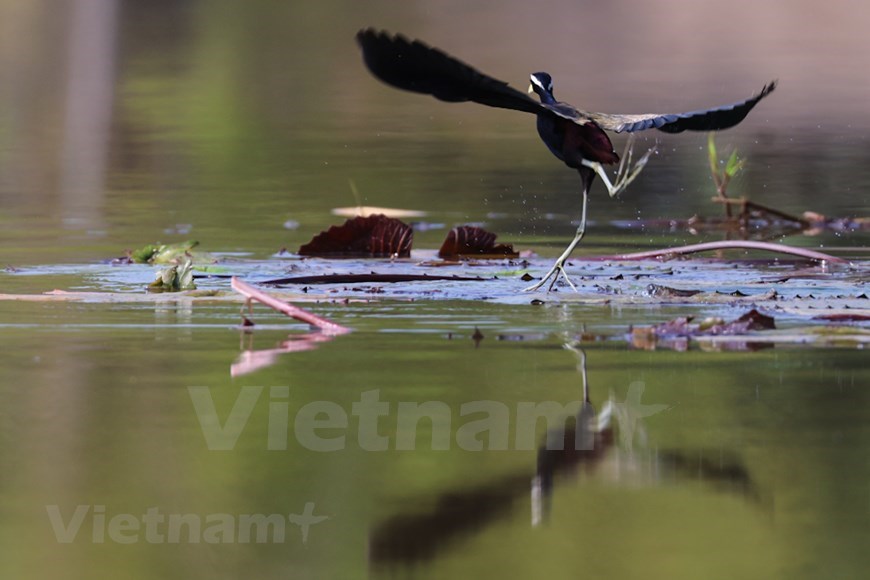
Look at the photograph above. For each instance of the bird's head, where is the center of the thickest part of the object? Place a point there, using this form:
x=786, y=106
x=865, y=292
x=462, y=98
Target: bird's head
x=541, y=84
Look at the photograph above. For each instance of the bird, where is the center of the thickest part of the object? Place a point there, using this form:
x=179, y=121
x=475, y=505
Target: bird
x=574, y=136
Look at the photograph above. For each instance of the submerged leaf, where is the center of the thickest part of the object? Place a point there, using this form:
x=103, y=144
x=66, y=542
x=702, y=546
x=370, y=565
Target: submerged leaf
x=676, y=333
x=373, y=236
x=659, y=291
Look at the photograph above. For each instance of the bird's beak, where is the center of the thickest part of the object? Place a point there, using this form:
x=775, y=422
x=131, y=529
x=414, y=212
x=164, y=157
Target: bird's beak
x=531, y=88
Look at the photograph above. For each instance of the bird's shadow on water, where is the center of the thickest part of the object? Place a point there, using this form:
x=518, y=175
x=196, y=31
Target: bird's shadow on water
x=595, y=444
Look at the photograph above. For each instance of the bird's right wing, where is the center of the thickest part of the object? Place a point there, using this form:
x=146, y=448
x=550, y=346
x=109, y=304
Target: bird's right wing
x=705, y=120
x=414, y=66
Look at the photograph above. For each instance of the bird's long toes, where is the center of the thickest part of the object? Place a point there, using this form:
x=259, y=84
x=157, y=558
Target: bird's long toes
x=557, y=271
x=534, y=286
x=537, y=285
x=561, y=271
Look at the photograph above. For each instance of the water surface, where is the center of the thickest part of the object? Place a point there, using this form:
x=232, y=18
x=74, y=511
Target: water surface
x=122, y=124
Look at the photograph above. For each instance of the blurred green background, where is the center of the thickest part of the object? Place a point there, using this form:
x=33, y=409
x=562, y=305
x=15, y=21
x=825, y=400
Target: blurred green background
x=123, y=122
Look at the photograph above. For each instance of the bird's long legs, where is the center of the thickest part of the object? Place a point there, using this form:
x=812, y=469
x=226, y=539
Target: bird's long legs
x=625, y=174
x=559, y=264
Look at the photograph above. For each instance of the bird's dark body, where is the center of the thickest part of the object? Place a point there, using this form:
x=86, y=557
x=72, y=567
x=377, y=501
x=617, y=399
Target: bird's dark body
x=571, y=143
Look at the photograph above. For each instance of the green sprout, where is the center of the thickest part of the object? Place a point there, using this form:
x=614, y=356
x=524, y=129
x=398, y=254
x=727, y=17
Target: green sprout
x=722, y=176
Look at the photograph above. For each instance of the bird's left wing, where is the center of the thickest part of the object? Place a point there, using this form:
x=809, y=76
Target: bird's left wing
x=414, y=66
x=706, y=120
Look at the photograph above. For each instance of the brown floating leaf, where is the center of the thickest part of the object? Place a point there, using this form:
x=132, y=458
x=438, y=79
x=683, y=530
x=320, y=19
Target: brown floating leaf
x=474, y=241
x=372, y=236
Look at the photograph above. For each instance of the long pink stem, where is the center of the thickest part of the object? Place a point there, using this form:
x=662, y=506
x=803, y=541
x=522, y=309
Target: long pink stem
x=727, y=245
x=252, y=293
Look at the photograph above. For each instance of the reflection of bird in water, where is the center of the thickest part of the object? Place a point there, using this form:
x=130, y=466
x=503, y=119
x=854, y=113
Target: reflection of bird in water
x=589, y=446
x=585, y=444
x=575, y=137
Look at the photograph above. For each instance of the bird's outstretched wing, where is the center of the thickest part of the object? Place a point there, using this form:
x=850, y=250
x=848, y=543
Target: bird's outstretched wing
x=414, y=66
x=706, y=120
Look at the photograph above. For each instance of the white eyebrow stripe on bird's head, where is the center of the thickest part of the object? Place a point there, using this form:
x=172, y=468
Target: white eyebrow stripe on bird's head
x=535, y=80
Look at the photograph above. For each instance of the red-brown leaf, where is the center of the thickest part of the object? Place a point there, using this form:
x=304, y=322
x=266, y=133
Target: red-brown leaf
x=371, y=236
x=474, y=241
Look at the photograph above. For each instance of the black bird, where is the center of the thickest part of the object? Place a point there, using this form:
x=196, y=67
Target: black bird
x=574, y=136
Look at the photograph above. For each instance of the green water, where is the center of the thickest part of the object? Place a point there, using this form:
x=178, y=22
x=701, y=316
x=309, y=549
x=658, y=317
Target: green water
x=136, y=438
x=97, y=412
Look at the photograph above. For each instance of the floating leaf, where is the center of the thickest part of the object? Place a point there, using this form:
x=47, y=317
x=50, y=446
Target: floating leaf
x=144, y=254
x=368, y=210
x=207, y=269
x=372, y=277
x=162, y=253
x=360, y=210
